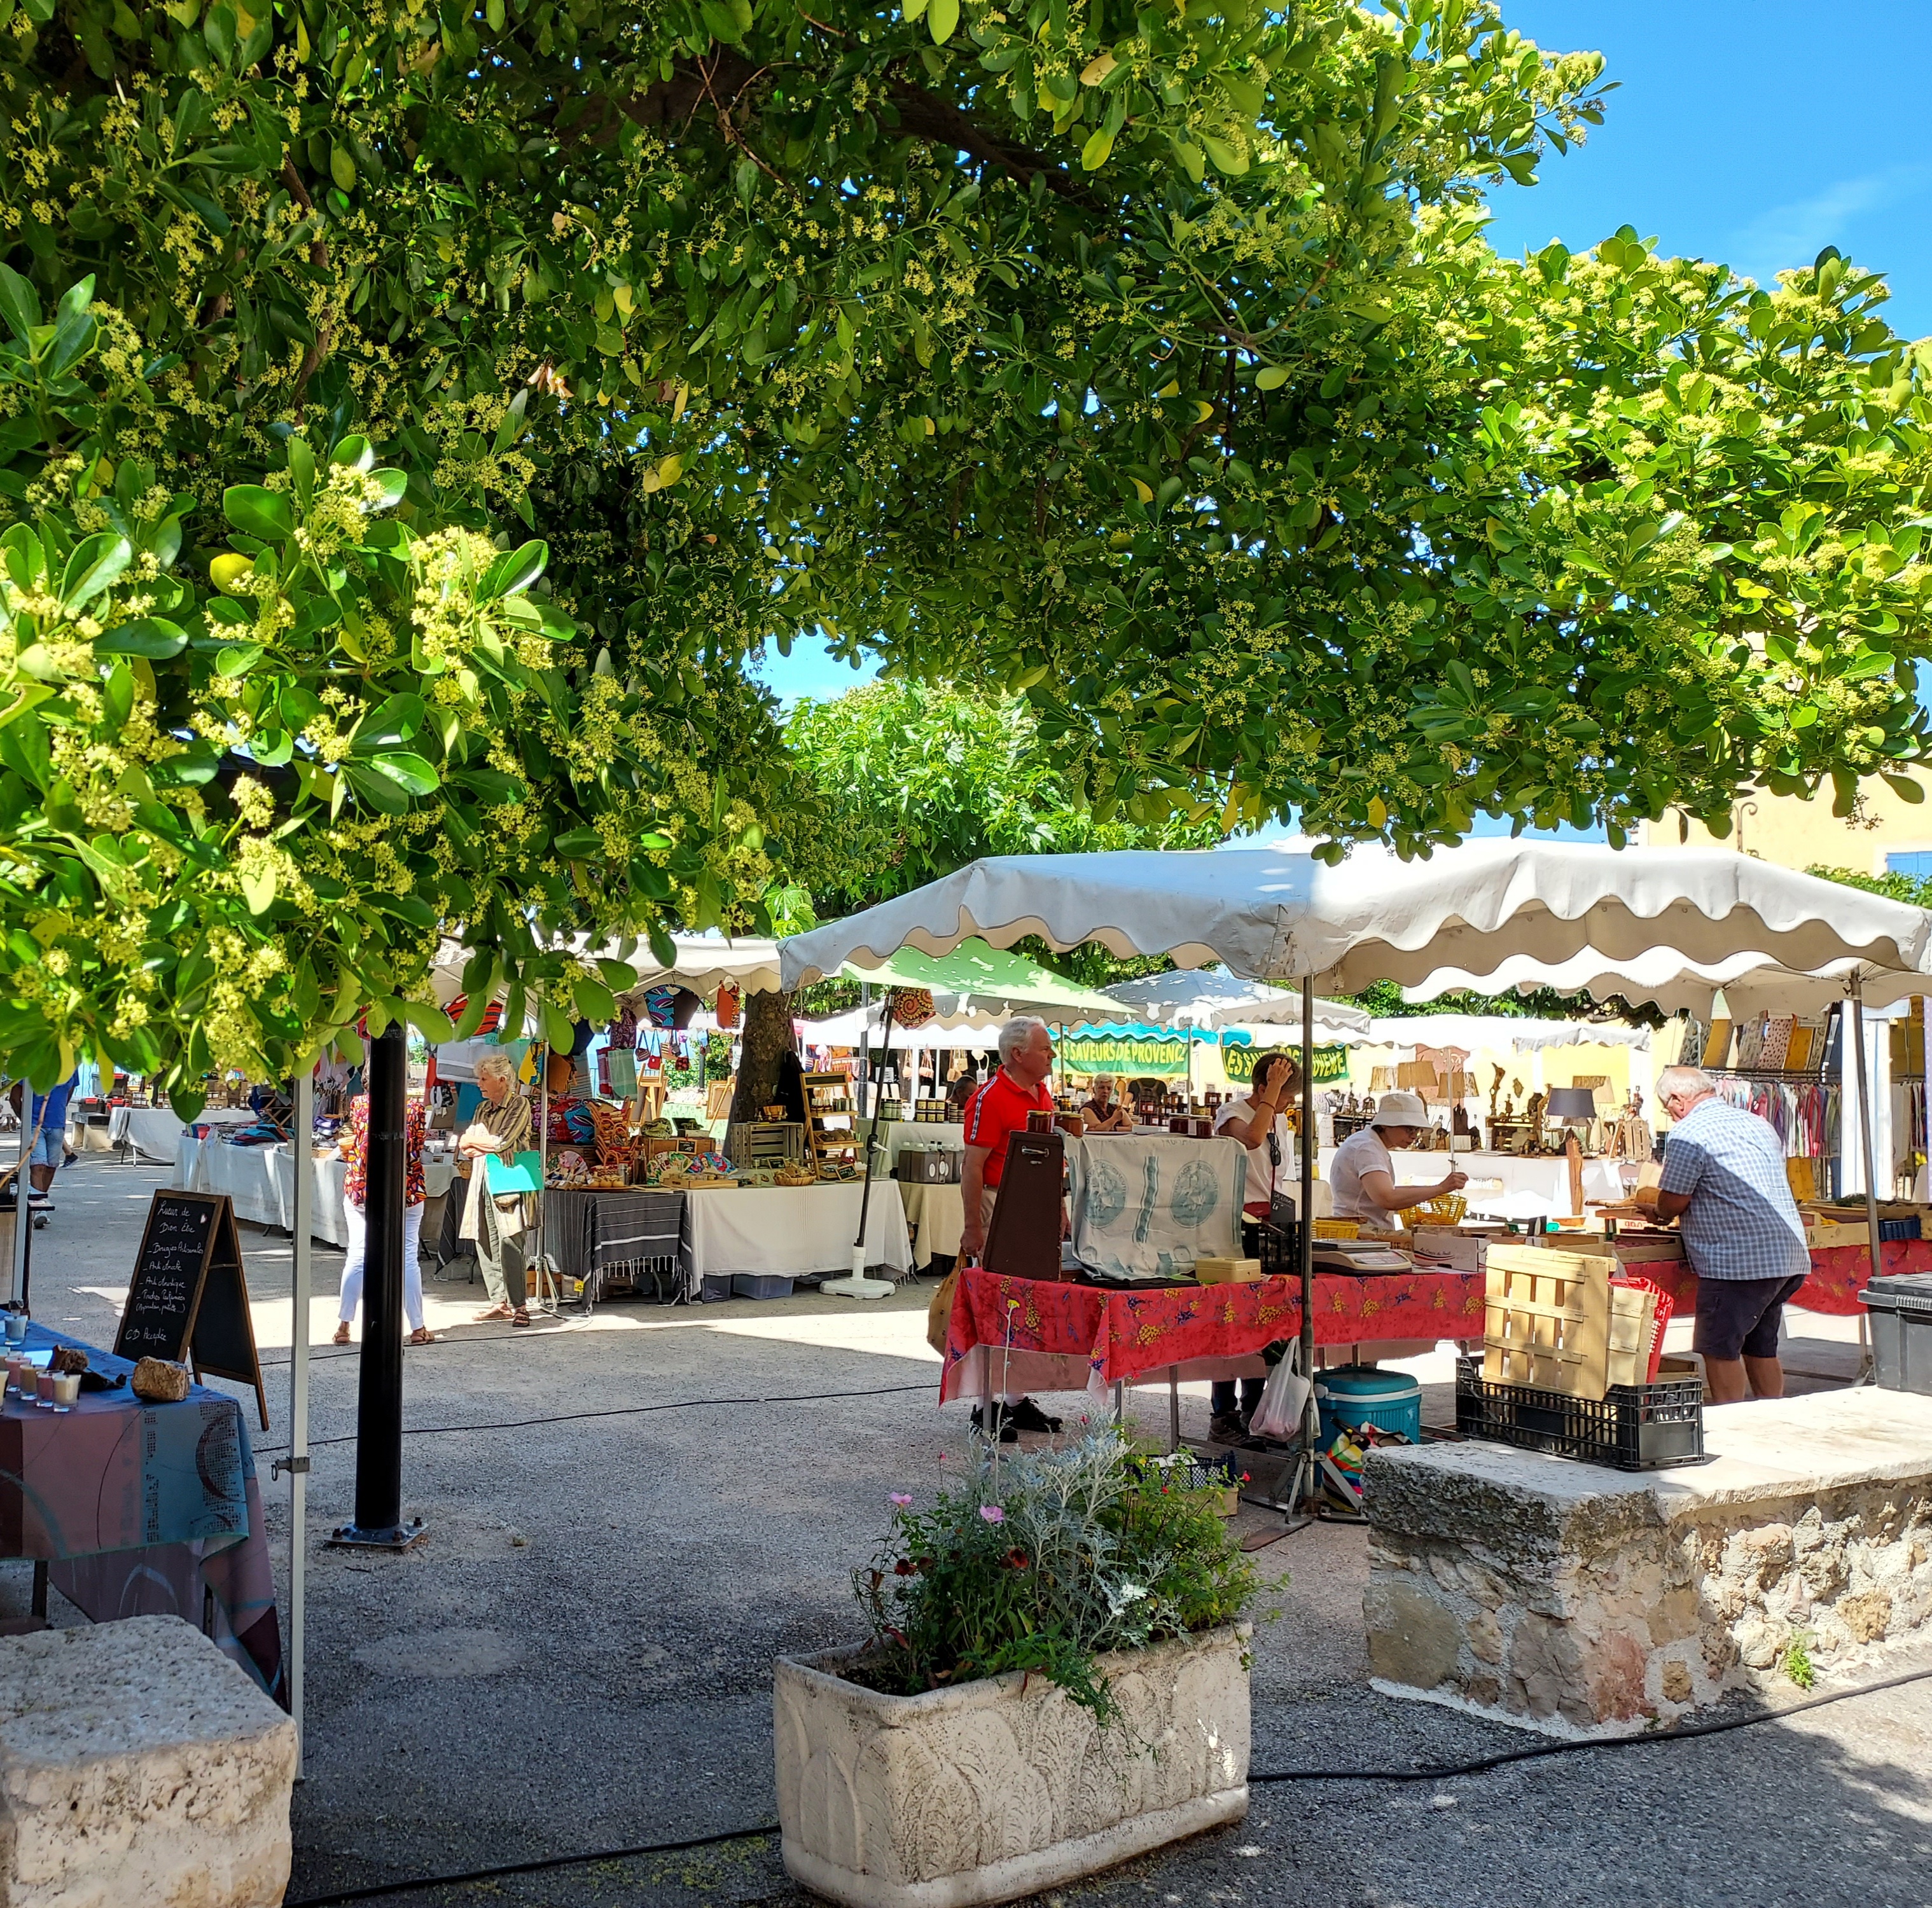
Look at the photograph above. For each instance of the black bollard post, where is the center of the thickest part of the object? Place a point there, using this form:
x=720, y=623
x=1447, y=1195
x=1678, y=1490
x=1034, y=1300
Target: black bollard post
x=379, y=1432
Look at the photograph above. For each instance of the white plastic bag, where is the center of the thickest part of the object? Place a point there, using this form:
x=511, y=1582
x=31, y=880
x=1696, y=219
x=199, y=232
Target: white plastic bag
x=1284, y=1405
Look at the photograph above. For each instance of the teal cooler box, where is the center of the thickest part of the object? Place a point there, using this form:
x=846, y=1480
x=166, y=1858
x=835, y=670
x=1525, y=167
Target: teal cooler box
x=1359, y=1395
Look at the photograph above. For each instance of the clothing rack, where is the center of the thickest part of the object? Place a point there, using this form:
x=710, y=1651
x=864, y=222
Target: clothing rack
x=1802, y=1110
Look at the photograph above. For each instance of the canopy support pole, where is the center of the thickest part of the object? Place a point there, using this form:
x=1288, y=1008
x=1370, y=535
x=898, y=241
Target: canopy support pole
x=1855, y=987
x=296, y=1462
x=1306, y=1493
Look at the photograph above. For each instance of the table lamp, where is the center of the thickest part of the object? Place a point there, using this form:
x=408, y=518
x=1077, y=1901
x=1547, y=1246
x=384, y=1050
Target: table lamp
x=1571, y=1106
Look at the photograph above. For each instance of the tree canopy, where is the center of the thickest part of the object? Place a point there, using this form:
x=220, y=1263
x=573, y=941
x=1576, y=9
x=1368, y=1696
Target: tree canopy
x=1150, y=364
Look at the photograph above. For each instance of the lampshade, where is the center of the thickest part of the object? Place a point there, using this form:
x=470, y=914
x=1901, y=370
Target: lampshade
x=1566, y=1103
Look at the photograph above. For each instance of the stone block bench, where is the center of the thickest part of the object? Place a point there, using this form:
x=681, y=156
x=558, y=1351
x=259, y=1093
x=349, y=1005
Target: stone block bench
x=140, y=1768
x=1578, y=1600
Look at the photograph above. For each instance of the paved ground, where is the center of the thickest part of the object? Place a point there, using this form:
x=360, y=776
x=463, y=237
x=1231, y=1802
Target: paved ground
x=578, y=1657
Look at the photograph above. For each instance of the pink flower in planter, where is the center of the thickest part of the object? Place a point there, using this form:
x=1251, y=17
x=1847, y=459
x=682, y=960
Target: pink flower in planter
x=992, y=1513
x=902, y=1498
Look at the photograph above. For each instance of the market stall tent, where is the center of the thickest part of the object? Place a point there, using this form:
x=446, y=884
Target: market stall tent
x=1187, y=997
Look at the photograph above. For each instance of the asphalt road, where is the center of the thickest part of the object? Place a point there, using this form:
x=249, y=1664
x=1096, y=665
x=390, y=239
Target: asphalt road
x=577, y=1657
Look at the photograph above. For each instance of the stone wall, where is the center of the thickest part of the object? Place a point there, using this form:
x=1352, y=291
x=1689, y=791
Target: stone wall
x=1574, y=1599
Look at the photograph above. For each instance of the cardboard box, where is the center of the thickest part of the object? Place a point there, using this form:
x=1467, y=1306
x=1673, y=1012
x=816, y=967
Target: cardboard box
x=1227, y=1271
x=1460, y=1252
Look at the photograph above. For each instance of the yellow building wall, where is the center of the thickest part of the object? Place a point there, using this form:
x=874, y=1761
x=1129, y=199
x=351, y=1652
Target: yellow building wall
x=1798, y=834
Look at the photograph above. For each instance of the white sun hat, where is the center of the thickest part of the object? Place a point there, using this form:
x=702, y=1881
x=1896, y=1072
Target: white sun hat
x=1400, y=1109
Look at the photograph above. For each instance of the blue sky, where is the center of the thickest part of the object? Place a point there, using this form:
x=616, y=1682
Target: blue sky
x=1755, y=132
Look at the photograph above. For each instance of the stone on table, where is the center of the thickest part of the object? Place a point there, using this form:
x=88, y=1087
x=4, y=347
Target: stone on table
x=140, y=1768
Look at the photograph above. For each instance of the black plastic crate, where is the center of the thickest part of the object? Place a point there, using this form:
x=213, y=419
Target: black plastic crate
x=1277, y=1243
x=1637, y=1427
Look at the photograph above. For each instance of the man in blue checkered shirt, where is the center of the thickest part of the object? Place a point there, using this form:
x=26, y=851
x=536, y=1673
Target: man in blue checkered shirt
x=1723, y=1180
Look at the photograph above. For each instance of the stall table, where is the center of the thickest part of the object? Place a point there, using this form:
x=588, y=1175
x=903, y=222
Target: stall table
x=261, y=1181
x=154, y=1132
x=141, y=1509
x=1076, y=1337
x=592, y=1233
x=790, y=1230
x=936, y=1214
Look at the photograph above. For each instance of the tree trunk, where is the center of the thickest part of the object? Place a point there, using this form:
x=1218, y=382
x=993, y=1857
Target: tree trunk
x=767, y=1040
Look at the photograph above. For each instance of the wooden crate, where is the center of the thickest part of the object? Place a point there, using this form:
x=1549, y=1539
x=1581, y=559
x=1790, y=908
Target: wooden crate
x=765, y=1142
x=1553, y=1320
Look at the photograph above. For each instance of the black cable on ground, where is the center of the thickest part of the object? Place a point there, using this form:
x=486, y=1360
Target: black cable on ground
x=616, y=1411
x=376, y=1890
x=1544, y=1750
x=1443, y=1773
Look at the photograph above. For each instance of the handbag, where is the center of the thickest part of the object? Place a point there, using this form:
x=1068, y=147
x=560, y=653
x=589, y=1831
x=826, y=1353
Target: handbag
x=1284, y=1405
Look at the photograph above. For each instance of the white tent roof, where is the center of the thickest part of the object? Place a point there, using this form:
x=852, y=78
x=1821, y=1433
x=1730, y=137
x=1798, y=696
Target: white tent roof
x=1185, y=997
x=1471, y=1032
x=1665, y=979
x=845, y=1030
x=1272, y=914
x=707, y=962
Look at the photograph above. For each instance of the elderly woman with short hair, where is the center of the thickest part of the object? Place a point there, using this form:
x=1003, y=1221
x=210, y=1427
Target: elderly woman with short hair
x=501, y=1128
x=1102, y=1113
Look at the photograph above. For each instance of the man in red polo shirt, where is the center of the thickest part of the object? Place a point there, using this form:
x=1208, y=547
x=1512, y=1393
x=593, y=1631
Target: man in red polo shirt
x=995, y=1113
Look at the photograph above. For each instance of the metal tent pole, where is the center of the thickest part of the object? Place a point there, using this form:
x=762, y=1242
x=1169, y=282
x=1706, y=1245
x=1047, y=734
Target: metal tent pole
x=379, y=1431
x=1312, y=1422
x=296, y=1462
x=1856, y=988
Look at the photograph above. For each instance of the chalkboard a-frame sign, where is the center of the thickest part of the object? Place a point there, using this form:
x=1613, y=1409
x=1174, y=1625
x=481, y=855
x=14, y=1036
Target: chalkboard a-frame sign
x=188, y=1299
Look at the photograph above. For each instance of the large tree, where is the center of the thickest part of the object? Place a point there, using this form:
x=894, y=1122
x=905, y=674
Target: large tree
x=1150, y=362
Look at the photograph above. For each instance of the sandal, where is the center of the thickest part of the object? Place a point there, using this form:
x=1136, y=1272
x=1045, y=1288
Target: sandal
x=494, y=1312
x=341, y=1334
x=422, y=1335
x=521, y=1316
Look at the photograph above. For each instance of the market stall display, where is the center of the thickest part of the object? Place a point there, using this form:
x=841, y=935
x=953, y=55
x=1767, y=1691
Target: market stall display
x=261, y=1181
x=140, y=1508
x=602, y=1240
x=787, y=1231
x=155, y=1132
x=1068, y=1337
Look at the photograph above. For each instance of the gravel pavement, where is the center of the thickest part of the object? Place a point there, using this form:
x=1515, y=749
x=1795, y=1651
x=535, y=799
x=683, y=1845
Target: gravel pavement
x=578, y=1655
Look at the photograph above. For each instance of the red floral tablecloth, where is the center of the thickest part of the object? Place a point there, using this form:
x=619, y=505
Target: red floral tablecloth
x=1123, y=1335
x=1837, y=1276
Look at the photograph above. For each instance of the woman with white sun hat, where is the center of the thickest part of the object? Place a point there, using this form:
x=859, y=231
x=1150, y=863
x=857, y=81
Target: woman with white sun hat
x=1363, y=1176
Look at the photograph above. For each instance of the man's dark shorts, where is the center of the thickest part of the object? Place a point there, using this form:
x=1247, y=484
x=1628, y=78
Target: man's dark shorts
x=1740, y=1315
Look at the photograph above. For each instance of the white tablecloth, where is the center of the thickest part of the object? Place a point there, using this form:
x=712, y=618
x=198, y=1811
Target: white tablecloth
x=789, y=1229
x=261, y=1181
x=939, y=1212
x=156, y=1134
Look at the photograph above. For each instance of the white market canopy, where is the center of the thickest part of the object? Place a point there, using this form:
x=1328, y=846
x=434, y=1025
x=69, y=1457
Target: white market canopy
x=1275, y=914
x=707, y=962
x=1187, y=998
x=1475, y=1032
x=1663, y=978
x=860, y=1026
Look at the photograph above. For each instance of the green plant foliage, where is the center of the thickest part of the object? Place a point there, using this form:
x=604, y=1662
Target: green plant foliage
x=236, y=812
x=901, y=783
x=1041, y=1560
x=1150, y=364
x=1912, y=888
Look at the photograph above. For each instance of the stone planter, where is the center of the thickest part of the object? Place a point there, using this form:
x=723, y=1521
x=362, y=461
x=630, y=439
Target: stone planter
x=1000, y=1788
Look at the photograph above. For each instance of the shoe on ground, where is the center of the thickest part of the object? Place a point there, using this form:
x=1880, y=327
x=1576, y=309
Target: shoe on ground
x=1027, y=1416
x=1007, y=1431
x=1226, y=1428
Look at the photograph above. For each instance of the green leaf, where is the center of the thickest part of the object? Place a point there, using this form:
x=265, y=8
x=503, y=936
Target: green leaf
x=1270, y=377
x=1227, y=158
x=18, y=304
x=152, y=636
x=390, y=485
x=410, y=773
x=941, y=17
x=595, y=1001
x=559, y=1028
x=257, y=512
x=429, y=1021
x=513, y=571
x=579, y=845
x=258, y=887
x=1093, y=153
x=720, y=22
x=1907, y=788
x=96, y=562
x=187, y=1102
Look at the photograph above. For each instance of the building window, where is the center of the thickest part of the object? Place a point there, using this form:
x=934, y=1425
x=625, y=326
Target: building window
x=1916, y=862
